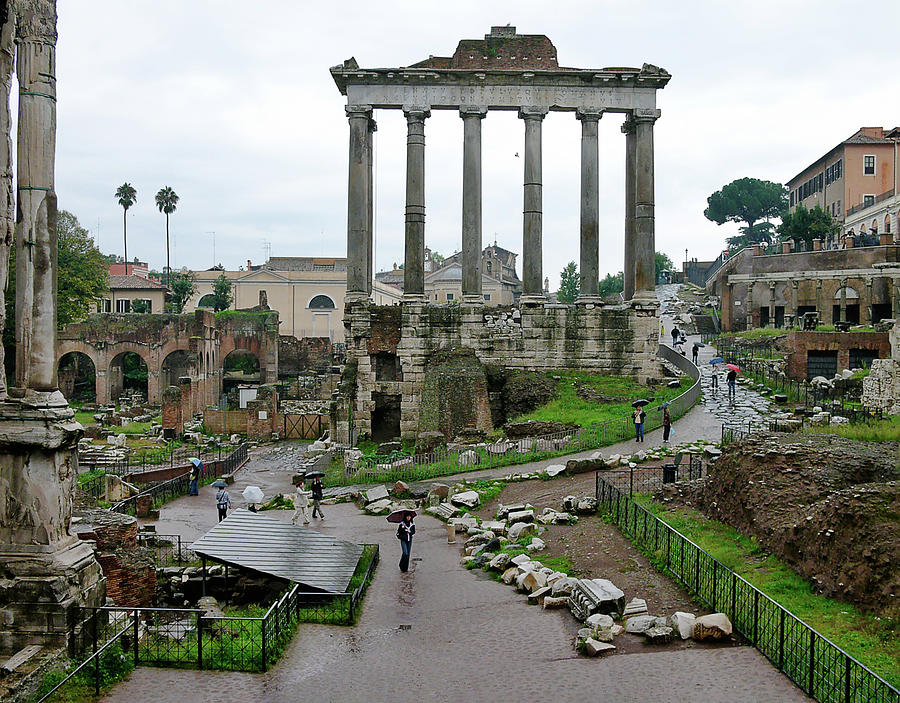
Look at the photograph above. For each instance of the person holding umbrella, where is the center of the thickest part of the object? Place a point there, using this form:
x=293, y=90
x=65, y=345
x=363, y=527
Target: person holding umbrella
x=405, y=531
x=715, y=371
x=317, y=492
x=732, y=380
x=196, y=467
x=638, y=418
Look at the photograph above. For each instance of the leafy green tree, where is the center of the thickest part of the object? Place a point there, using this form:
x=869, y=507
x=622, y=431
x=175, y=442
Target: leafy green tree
x=182, y=287
x=612, y=284
x=126, y=195
x=140, y=306
x=222, y=297
x=166, y=201
x=804, y=225
x=569, y=283
x=748, y=200
x=82, y=278
x=663, y=263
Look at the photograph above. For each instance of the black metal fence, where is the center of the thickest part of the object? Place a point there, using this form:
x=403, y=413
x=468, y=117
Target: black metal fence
x=173, y=488
x=652, y=478
x=818, y=666
x=148, y=459
x=168, y=548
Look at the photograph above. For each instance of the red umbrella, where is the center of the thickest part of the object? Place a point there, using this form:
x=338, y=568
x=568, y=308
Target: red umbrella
x=398, y=515
x=733, y=367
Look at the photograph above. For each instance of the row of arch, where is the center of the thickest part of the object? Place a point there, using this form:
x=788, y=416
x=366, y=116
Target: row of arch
x=128, y=371
x=873, y=229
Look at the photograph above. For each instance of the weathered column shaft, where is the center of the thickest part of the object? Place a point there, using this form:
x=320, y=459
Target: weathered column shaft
x=370, y=206
x=727, y=307
x=819, y=300
x=644, y=223
x=471, y=204
x=794, y=299
x=771, y=305
x=358, y=199
x=36, y=216
x=844, y=300
x=590, y=204
x=868, y=310
x=630, y=148
x=7, y=199
x=532, y=246
x=414, y=258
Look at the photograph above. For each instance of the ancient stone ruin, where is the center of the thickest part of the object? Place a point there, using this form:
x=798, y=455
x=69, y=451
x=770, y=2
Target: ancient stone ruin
x=505, y=71
x=44, y=570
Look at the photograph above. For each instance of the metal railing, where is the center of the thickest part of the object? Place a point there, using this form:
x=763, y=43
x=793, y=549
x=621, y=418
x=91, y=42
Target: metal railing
x=509, y=452
x=147, y=459
x=815, y=664
x=167, y=548
x=653, y=478
x=167, y=490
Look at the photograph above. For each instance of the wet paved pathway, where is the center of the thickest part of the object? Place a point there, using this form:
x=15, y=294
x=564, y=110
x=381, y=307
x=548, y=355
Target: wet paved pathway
x=442, y=633
x=468, y=639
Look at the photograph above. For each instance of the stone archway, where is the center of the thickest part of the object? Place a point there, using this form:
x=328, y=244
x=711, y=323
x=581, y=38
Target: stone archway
x=128, y=371
x=77, y=374
x=174, y=366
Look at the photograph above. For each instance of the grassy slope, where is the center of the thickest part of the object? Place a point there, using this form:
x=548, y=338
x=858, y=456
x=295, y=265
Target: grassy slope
x=873, y=641
x=568, y=407
x=887, y=430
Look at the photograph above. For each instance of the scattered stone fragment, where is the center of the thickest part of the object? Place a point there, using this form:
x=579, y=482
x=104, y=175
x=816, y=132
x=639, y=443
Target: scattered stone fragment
x=500, y=562
x=520, y=529
x=466, y=499
x=639, y=624
x=376, y=493
x=537, y=595
x=636, y=606
x=682, y=623
x=711, y=627
x=658, y=634
x=555, y=602
x=536, y=545
x=509, y=576
x=594, y=648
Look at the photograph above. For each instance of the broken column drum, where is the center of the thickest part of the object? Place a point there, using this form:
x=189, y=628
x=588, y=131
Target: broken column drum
x=510, y=72
x=45, y=572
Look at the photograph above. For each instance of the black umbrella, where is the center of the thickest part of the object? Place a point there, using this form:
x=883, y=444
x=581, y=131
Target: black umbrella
x=315, y=474
x=639, y=402
x=398, y=515
x=219, y=483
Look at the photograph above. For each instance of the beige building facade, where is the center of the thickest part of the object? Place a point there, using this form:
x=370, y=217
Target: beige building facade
x=124, y=290
x=307, y=292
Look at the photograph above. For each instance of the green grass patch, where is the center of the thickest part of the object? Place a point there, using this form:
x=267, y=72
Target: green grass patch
x=115, y=665
x=886, y=430
x=873, y=641
x=85, y=418
x=89, y=476
x=570, y=407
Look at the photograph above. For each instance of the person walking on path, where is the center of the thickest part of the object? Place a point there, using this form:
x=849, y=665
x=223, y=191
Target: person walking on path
x=715, y=379
x=695, y=352
x=638, y=417
x=223, y=502
x=317, y=497
x=676, y=333
x=405, y=532
x=301, y=504
x=732, y=381
x=195, y=475
x=667, y=425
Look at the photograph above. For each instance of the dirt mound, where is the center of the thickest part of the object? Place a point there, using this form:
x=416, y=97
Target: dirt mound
x=535, y=428
x=828, y=506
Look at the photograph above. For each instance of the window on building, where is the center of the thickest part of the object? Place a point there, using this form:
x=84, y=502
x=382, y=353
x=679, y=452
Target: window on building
x=490, y=265
x=838, y=169
x=322, y=302
x=832, y=209
x=449, y=296
x=887, y=224
x=323, y=267
x=821, y=181
x=487, y=296
x=792, y=198
x=838, y=207
x=869, y=165
x=123, y=306
x=105, y=305
x=868, y=200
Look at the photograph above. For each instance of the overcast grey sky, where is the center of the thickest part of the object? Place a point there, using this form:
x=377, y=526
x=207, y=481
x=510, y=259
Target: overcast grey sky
x=231, y=104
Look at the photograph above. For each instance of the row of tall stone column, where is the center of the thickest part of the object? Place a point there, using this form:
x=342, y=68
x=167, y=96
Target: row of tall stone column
x=640, y=245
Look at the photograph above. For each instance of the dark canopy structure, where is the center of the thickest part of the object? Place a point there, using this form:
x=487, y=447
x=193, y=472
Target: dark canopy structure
x=252, y=541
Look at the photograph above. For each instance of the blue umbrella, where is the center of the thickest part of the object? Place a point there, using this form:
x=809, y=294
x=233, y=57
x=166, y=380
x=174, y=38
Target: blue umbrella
x=717, y=360
x=196, y=462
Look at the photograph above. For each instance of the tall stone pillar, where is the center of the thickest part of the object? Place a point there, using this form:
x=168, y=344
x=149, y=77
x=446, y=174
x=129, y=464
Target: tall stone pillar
x=370, y=206
x=359, y=235
x=46, y=571
x=7, y=199
x=644, y=246
x=726, y=307
x=532, y=246
x=590, y=205
x=471, y=204
x=895, y=298
x=630, y=144
x=414, y=259
x=843, y=300
x=771, y=303
x=868, y=302
x=795, y=298
x=819, y=300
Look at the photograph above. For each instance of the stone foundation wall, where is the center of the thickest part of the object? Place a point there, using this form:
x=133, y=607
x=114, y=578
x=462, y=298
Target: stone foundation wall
x=619, y=339
x=799, y=343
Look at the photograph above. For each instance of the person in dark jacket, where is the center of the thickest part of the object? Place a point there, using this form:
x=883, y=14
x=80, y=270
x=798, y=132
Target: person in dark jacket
x=317, y=497
x=223, y=502
x=732, y=381
x=667, y=425
x=405, y=532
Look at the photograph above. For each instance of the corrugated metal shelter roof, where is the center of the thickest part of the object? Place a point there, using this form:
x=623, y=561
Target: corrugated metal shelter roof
x=297, y=554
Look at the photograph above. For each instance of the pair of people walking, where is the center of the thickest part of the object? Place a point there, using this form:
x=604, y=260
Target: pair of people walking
x=301, y=501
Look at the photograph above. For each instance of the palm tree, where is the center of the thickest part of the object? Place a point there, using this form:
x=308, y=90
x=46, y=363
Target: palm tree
x=166, y=200
x=126, y=195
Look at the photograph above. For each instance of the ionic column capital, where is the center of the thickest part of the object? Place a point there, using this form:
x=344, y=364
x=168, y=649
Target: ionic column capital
x=364, y=111
x=479, y=111
x=628, y=126
x=416, y=113
x=533, y=113
x=643, y=115
x=588, y=115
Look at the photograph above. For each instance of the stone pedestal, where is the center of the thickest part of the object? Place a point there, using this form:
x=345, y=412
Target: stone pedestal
x=44, y=571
